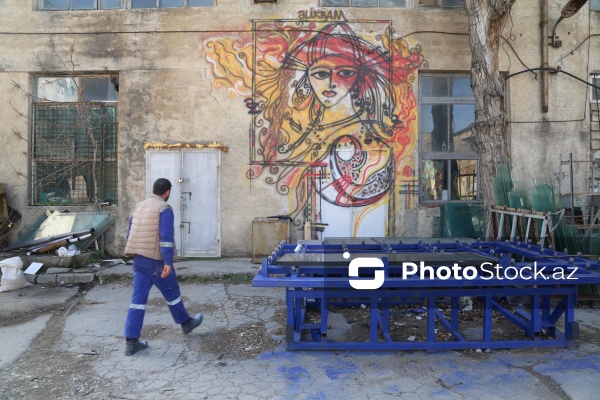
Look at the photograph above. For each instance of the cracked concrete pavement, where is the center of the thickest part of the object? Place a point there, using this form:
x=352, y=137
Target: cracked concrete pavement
x=66, y=342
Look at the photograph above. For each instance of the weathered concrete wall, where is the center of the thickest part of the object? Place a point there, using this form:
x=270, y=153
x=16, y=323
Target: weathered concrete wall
x=169, y=92
x=538, y=139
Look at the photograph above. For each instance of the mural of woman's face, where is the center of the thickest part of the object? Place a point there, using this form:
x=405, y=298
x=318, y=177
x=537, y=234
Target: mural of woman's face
x=332, y=78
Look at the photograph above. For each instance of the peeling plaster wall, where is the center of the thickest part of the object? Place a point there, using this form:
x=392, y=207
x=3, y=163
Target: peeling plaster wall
x=167, y=94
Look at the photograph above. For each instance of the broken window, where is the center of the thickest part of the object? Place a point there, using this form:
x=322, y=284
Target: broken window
x=74, y=140
x=449, y=163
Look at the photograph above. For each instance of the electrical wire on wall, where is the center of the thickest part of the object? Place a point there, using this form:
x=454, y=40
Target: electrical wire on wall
x=512, y=37
x=560, y=70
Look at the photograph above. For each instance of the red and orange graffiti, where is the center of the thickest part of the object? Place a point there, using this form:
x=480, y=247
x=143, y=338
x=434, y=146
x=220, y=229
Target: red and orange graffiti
x=333, y=112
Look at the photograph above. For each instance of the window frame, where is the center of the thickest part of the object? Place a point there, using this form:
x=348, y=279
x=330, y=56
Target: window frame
x=350, y=5
x=125, y=4
x=409, y=4
x=76, y=160
x=446, y=156
x=595, y=93
x=438, y=5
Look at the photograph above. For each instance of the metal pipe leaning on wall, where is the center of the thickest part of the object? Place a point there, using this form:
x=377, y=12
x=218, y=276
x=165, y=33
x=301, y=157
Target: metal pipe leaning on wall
x=58, y=243
x=38, y=242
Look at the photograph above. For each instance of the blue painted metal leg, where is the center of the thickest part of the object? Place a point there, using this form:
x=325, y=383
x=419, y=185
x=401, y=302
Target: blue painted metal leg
x=431, y=311
x=535, y=317
x=455, y=314
x=324, y=307
x=569, y=316
x=374, y=325
x=546, y=324
x=385, y=326
x=487, y=319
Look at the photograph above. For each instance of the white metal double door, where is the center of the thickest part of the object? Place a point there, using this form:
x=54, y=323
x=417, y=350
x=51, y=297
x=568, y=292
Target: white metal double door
x=195, y=197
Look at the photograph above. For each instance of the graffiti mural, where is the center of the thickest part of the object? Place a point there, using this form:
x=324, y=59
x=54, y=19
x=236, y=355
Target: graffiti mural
x=333, y=115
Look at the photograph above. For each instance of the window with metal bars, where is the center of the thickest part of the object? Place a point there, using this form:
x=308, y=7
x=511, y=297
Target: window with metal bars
x=74, y=143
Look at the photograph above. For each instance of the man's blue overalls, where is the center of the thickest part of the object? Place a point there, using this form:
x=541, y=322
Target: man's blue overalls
x=146, y=272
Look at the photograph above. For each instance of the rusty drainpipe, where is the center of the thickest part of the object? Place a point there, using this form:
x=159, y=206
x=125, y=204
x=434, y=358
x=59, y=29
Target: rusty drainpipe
x=544, y=55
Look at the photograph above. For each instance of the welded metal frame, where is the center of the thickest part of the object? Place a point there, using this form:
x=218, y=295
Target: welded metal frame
x=315, y=274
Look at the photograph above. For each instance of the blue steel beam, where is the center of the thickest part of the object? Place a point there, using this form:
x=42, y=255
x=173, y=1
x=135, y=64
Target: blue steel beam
x=317, y=281
x=300, y=294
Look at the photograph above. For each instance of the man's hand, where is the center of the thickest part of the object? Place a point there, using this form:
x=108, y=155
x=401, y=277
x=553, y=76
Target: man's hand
x=166, y=271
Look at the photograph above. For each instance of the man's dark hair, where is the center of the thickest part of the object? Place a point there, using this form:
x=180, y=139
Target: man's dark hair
x=160, y=187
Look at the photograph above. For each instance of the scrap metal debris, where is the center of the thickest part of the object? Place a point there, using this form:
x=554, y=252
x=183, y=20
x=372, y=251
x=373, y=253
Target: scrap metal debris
x=54, y=230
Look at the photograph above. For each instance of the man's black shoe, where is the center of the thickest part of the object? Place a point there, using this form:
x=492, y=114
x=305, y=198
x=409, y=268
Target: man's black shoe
x=133, y=346
x=192, y=324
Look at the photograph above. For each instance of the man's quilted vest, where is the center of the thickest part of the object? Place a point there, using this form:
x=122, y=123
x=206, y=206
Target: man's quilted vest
x=144, y=233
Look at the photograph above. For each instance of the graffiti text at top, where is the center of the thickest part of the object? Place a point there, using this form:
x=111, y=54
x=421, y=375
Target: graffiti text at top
x=322, y=15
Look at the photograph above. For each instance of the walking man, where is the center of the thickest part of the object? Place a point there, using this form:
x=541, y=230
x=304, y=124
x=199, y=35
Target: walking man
x=151, y=240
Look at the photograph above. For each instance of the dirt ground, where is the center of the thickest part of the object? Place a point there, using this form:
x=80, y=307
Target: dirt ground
x=45, y=366
x=54, y=370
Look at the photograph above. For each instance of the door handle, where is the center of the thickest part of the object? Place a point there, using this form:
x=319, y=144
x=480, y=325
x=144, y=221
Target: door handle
x=189, y=225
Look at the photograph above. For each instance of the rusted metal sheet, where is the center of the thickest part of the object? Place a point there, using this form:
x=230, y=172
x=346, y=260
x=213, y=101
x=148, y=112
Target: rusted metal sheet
x=267, y=233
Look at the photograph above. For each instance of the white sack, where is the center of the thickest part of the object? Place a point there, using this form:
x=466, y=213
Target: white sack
x=13, y=277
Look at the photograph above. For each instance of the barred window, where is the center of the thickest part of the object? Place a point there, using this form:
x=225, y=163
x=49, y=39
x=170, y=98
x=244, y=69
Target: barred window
x=74, y=140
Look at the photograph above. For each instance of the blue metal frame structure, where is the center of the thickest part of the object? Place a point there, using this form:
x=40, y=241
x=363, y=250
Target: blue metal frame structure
x=315, y=275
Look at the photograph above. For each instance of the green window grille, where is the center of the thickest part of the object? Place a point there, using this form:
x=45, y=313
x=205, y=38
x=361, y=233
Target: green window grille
x=74, y=153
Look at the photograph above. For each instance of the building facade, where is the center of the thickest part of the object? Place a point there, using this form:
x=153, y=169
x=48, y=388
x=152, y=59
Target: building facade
x=353, y=115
